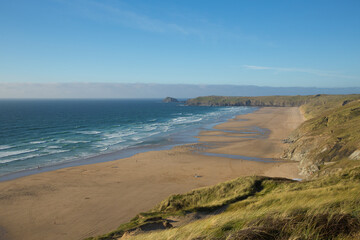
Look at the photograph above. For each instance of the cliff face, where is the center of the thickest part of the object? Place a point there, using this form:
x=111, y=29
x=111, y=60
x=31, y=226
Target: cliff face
x=266, y=101
x=326, y=139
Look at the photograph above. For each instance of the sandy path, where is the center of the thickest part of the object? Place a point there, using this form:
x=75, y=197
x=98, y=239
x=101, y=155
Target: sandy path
x=78, y=202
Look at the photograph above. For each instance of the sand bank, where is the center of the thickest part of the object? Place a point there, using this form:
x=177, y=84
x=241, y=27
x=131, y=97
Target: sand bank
x=77, y=202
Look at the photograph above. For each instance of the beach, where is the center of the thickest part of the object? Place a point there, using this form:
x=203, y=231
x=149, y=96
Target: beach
x=88, y=200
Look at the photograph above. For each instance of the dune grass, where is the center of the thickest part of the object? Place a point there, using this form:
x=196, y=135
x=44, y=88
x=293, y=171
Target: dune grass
x=319, y=104
x=261, y=208
x=326, y=208
x=333, y=135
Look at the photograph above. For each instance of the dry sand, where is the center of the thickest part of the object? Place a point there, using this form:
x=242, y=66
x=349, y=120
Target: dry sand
x=83, y=201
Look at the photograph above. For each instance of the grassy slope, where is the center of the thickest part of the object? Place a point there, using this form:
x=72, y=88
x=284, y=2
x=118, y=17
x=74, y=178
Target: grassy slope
x=264, y=208
x=333, y=134
x=318, y=104
x=326, y=207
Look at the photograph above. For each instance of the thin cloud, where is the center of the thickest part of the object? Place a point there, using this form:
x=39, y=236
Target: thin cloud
x=100, y=11
x=316, y=72
x=122, y=15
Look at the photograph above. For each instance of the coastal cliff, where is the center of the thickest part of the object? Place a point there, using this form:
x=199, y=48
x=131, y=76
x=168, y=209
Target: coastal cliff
x=326, y=139
x=312, y=101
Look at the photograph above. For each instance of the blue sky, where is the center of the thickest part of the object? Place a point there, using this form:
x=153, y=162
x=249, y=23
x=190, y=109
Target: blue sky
x=265, y=43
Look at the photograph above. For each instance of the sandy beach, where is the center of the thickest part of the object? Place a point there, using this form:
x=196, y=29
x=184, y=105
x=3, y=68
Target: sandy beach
x=83, y=201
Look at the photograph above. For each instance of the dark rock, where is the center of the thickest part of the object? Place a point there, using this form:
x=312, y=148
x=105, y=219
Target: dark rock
x=170, y=100
x=153, y=219
x=346, y=102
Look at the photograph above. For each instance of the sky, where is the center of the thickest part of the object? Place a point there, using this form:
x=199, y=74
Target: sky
x=290, y=43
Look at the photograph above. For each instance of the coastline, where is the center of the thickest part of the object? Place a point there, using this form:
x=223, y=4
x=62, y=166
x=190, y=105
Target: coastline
x=88, y=200
x=156, y=143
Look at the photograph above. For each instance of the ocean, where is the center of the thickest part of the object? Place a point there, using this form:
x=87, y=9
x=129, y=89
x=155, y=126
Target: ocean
x=41, y=133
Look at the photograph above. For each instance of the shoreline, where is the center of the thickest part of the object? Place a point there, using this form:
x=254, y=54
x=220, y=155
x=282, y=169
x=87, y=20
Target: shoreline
x=89, y=200
x=186, y=136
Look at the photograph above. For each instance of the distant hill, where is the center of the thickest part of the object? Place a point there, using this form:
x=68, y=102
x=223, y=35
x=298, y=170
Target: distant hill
x=270, y=101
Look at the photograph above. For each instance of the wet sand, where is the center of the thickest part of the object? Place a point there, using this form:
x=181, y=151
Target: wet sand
x=83, y=201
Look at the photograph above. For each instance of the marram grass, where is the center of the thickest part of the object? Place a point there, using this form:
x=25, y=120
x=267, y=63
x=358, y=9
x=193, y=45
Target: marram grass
x=325, y=208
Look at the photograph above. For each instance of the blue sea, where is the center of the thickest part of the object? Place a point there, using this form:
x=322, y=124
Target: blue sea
x=40, y=133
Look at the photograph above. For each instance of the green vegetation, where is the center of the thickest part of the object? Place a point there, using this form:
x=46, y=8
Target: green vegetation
x=207, y=199
x=326, y=206
x=326, y=139
x=311, y=104
x=266, y=101
x=318, y=104
x=262, y=208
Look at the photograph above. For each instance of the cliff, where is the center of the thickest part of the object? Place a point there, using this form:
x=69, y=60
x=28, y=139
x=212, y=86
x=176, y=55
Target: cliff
x=272, y=101
x=323, y=141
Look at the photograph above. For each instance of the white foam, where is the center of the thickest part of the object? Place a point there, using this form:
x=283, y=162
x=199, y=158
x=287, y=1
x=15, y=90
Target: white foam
x=56, y=151
x=89, y=132
x=184, y=120
x=119, y=134
x=53, y=147
x=14, y=153
x=37, y=142
x=149, y=128
x=71, y=141
x=3, y=147
x=21, y=158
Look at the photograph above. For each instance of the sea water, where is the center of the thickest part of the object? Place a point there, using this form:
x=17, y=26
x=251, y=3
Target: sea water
x=39, y=133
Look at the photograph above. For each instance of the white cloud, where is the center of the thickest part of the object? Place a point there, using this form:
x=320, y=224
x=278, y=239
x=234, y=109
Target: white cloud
x=320, y=73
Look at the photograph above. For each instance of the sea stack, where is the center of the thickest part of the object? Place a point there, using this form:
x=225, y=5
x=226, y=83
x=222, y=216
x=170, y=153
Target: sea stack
x=170, y=100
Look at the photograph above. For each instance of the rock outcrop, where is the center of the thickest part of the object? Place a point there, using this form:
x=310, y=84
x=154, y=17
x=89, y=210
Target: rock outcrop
x=170, y=100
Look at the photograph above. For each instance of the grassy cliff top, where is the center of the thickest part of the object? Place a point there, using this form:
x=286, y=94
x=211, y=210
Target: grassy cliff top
x=311, y=105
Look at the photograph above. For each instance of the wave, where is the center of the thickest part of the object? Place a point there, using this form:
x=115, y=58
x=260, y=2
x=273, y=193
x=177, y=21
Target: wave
x=21, y=158
x=89, y=132
x=53, y=147
x=66, y=141
x=184, y=120
x=119, y=134
x=4, y=154
x=3, y=147
x=56, y=151
x=37, y=142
